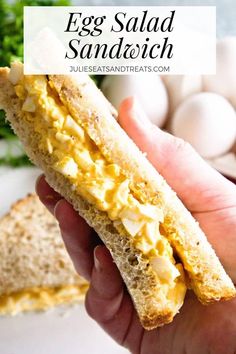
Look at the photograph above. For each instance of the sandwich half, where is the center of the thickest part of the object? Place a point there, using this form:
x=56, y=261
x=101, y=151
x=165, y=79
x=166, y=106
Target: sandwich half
x=69, y=129
x=36, y=272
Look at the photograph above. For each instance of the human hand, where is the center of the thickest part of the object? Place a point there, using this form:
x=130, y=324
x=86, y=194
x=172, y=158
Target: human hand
x=211, y=199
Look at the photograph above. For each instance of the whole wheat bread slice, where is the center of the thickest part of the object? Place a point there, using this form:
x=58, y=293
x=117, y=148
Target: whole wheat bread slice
x=32, y=253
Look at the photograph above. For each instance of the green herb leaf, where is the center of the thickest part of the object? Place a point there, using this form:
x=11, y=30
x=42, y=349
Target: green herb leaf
x=15, y=161
x=11, y=48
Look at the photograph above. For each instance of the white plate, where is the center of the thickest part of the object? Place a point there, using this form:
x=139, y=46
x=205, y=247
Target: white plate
x=58, y=331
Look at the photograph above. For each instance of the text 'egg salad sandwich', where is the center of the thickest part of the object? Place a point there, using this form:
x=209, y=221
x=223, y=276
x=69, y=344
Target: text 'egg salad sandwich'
x=69, y=129
x=36, y=272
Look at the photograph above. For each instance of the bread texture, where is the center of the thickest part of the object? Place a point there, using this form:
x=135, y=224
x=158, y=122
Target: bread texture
x=32, y=250
x=95, y=114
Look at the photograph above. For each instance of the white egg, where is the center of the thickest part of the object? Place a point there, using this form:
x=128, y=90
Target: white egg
x=224, y=82
x=149, y=90
x=180, y=87
x=208, y=122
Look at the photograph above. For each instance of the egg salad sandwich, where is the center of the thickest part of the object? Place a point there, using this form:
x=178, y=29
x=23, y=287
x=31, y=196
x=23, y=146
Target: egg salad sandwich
x=69, y=129
x=36, y=272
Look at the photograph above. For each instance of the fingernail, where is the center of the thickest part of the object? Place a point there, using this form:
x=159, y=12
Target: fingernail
x=139, y=114
x=97, y=263
x=55, y=211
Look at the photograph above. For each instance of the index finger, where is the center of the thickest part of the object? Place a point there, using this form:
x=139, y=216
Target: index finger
x=196, y=182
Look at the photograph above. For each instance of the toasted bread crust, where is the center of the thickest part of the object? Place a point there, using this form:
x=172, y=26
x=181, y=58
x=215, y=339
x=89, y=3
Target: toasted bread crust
x=87, y=104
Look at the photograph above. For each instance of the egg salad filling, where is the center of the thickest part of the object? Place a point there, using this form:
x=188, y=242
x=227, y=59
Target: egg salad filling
x=41, y=298
x=98, y=181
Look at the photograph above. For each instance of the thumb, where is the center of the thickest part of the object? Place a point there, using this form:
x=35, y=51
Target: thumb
x=197, y=184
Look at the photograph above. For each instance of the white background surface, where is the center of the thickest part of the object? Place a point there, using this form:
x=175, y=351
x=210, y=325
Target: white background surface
x=50, y=333
x=58, y=331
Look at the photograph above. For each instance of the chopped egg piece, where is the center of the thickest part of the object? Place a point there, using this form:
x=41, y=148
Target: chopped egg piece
x=20, y=91
x=83, y=159
x=16, y=73
x=114, y=170
x=144, y=246
x=164, y=268
x=74, y=127
x=39, y=86
x=129, y=213
x=152, y=231
x=63, y=138
x=132, y=226
x=49, y=146
x=29, y=105
x=151, y=211
x=67, y=167
x=97, y=192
